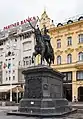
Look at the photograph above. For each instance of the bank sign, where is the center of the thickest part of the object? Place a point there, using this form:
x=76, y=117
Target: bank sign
x=20, y=23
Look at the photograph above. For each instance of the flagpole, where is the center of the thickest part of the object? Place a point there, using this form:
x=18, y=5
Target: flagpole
x=11, y=77
x=11, y=83
x=11, y=71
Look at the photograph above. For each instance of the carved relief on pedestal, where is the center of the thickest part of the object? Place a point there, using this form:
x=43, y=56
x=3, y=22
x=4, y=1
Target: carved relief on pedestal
x=34, y=87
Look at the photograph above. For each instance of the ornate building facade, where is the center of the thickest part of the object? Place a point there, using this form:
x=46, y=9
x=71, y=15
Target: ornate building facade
x=67, y=41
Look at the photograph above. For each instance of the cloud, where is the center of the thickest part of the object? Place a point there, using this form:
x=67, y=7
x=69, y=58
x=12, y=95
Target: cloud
x=16, y=10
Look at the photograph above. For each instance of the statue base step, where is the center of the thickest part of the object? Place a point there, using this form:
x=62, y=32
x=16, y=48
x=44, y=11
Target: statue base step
x=57, y=115
x=43, y=108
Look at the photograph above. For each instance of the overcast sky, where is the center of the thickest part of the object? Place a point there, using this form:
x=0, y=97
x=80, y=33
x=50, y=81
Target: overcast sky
x=12, y=11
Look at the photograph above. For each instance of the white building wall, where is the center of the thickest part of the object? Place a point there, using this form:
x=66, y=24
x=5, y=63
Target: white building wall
x=23, y=51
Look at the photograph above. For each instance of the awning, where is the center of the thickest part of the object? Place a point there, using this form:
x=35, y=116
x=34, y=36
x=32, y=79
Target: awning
x=7, y=88
x=18, y=89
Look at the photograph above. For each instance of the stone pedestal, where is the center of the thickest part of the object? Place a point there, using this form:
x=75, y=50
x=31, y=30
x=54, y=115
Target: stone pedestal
x=43, y=95
x=43, y=92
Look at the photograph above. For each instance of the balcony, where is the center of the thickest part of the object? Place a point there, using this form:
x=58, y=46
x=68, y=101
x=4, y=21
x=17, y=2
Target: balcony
x=79, y=64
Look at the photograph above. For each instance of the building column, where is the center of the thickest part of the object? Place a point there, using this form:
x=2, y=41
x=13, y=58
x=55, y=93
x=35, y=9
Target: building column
x=74, y=88
x=38, y=59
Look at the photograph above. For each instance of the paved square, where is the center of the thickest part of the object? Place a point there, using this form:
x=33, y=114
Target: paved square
x=72, y=116
x=5, y=109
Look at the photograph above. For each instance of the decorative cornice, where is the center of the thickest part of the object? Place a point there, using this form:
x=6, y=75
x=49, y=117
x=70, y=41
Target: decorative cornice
x=79, y=49
x=79, y=31
x=58, y=52
x=70, y=33
x=69, y=50
x=58, y=36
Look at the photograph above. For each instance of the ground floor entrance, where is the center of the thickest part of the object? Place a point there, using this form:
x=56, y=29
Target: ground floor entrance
x=80, y=94
x=67, y=91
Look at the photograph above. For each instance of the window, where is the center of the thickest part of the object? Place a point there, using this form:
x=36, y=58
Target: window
x=9, y=78
x=19, y=63
x=27, y=35
x=68, y=76
x=58, y=43
x=80, y=56
x=27, y=62
x=69, y=41
x=13, y=58
x=0, y=65
x=6, y=78
x=69, y=58
x=15, y=40
x=79, y=75
x=1, y=43
x=81, y=38
x=13, y=53
x=27, y=46
x=65, y=78
x=9, y=71
x=30, y=62
x=24, y=63
x=13, y=77
x=58, y=59
x=13, y=71
x=20, y=37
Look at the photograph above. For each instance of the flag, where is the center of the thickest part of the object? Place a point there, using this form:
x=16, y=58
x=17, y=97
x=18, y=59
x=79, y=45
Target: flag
x=9, y=65
x=4, y=65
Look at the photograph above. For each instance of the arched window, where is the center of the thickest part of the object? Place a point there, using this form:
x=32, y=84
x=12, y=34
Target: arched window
x=69, y=58
x=80, y=56
x=58, y=59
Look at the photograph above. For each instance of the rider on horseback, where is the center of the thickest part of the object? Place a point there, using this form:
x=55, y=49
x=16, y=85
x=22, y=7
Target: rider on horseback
x=47, y=39
x=43, y=45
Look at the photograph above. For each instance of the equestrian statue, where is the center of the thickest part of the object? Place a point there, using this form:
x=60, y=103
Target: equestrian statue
x=43, y=45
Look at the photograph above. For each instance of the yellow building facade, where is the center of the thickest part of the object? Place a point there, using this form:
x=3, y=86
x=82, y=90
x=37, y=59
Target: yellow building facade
x=67, y=41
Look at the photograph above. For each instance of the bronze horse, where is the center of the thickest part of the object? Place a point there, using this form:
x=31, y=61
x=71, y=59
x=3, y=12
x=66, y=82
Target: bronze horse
x=43, y=47
x=44, y=50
